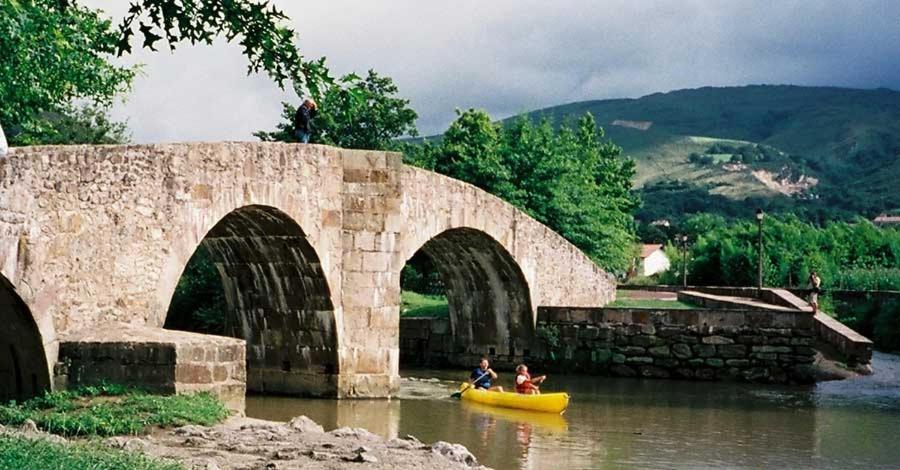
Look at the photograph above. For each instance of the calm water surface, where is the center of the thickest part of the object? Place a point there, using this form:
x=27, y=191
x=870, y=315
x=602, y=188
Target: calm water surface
x=614, y=423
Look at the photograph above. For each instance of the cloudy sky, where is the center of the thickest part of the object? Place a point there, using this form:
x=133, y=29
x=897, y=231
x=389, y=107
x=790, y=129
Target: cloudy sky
x=509, y=56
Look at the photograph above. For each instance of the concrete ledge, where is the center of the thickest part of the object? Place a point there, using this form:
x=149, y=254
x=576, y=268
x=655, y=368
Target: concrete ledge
x=164, y=361
x=730, y=300
x=854, y=346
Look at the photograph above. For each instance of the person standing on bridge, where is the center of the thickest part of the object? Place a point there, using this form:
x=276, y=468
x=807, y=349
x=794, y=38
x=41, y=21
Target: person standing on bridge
x=303, y=120
x=815, y=286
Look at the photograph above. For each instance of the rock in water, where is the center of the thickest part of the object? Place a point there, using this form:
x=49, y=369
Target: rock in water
x=305, y=425
x=454, y=452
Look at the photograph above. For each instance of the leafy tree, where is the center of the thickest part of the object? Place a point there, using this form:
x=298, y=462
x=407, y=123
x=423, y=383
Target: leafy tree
x=470, y=151
x=268, y=44
x=568, y=178
x=52, y=54
x=365, y=114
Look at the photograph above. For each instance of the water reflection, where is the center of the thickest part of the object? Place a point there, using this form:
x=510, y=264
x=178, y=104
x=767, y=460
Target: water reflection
x=634, y=423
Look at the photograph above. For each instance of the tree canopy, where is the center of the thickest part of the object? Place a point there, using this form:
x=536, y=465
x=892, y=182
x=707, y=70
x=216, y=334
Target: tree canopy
x=569, y=178
x=52, y=56
x=362, y=114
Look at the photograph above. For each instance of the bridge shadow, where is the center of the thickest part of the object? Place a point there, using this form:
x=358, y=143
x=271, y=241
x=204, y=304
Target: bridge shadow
x=256, y=277
x=488, y=311
x=23, y=364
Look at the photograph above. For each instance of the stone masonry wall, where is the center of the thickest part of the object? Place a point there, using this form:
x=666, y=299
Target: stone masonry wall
x=753, y=346
x=154, y=359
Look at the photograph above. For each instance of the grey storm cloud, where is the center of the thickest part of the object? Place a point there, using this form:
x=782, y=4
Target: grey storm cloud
x=511, y=56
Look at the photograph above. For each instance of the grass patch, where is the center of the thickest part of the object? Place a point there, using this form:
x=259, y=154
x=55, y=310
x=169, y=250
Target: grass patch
x=650, y=303
x=423, y=305
x=112, y=410
x=37, y=454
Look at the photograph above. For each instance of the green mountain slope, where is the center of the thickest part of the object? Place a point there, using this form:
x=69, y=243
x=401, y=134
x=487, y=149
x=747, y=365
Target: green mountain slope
x=833, y=151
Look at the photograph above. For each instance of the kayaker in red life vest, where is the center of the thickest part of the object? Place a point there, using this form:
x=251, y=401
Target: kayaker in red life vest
x=525, y=384
x=483, y=376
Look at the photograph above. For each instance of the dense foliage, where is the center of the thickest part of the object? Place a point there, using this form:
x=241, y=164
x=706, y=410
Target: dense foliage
x=726, y=253
x=568, y=178
x=363, y=114
x=198, y=303
x=53, y=54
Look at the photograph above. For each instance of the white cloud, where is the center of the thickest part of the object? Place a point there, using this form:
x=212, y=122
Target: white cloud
x=510, y=56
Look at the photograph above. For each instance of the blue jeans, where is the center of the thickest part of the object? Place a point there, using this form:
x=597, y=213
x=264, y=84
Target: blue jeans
x=302, y=136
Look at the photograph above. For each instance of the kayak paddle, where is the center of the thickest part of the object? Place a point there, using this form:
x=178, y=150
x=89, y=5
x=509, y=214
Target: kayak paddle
x=466, y=387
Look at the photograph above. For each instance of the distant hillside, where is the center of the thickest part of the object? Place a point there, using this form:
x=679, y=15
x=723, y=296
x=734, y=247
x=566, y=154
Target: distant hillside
x=820, y=151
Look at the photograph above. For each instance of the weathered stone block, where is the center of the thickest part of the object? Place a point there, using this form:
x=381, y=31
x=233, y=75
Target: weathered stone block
x=696, y=362
x=667, y=362
x=715, y=362
x=704, y=350
x=771, y=349
x=646, y=341
x=618, y=358
x=738, y=362
x=732, y=350
x=682, y=351
x=716, y=339
x=601, y=356
x=668, y=331
x=750, y=339
x=633, y=350
x=688, y=339
x=588, y=333
x=639, y=360
x=660, y=351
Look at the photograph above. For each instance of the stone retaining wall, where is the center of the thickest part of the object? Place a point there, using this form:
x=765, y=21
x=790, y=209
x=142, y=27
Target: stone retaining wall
x=698, y=344
x=743, y=345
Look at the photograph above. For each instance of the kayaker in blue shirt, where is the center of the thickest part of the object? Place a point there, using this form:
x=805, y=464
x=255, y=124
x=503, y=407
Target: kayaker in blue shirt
x=483, y=377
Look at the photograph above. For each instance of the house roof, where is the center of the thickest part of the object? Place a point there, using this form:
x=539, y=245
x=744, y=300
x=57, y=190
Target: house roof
x=887, y=219
x=647, y=250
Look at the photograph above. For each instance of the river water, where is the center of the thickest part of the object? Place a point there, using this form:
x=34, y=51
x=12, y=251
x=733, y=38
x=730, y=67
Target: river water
x=613, y=423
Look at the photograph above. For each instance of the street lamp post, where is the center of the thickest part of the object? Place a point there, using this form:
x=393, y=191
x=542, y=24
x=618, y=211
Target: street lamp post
x=760, y=215
x=683, y=239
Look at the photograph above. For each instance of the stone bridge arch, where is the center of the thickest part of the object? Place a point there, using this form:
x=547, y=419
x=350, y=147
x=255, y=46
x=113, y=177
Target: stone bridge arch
x=278, y=299
x=488, y=296
x=493, y=258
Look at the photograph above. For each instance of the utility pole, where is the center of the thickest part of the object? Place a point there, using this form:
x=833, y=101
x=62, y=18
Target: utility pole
x=760, y=215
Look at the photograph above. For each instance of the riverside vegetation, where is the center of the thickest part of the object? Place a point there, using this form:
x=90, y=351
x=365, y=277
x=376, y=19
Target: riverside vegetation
x=101, y=411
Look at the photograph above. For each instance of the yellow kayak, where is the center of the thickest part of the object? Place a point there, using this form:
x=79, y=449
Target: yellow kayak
x=547, y=402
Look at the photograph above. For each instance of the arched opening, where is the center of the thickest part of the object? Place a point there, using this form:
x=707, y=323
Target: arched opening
x=23, y=364
x=488, y=306
x=256, y=277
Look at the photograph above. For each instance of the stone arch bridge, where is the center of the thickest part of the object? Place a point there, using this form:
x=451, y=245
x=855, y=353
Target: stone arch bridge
x=309, y=241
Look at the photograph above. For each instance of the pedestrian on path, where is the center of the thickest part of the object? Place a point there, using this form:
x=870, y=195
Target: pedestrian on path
x=815, y=286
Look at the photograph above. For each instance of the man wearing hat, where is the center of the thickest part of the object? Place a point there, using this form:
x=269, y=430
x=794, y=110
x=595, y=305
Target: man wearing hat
x=303, y=120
